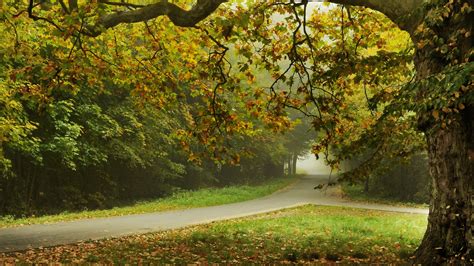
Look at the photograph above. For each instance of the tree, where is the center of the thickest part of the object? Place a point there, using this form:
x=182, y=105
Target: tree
x=441, y=94
x=434, y=27
x=298, y=141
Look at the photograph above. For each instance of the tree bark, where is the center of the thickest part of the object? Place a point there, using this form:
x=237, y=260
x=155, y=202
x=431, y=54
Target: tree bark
x=179, y=16
x=449, y=237
x=402, y=12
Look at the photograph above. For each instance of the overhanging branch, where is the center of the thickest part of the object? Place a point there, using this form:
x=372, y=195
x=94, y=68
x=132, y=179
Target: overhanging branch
x=405, y=13
x=179, y=16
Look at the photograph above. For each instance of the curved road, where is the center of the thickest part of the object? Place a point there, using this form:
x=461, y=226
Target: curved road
x=300, y=193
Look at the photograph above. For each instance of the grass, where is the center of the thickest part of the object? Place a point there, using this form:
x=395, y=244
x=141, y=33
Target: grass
x=356, y=193
x=180, y=200
x=301, y=235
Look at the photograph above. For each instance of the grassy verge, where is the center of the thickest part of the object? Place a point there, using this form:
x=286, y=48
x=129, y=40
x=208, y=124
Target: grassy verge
x=181, y=200
x=304, y=234
x=356, y=193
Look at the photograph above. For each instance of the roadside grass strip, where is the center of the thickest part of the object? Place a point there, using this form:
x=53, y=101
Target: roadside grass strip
x=180, y=200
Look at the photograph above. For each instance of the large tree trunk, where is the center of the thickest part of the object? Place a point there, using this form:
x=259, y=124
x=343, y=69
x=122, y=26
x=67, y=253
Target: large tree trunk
x=449, y=237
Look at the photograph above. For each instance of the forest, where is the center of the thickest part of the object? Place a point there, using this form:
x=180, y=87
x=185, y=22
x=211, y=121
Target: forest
x=106, y=103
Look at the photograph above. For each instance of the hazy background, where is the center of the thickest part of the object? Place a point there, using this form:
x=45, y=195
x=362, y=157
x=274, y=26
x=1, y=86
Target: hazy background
x=309, y=165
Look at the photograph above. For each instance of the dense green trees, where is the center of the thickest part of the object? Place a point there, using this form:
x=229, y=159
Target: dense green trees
x=85, y=126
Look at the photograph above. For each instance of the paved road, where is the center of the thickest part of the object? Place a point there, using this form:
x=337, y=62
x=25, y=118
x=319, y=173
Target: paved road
x=300, y=193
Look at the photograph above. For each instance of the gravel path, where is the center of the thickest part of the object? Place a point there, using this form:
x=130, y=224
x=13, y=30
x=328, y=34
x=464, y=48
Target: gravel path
x=300, y=193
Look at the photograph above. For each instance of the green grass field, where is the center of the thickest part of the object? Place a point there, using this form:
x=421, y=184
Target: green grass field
x=181, y=200
x=304, y=234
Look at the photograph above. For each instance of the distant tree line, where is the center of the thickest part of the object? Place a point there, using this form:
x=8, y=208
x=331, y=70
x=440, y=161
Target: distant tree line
x=405, y=180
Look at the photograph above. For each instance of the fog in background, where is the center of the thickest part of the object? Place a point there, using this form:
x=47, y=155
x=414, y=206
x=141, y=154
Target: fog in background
x=309, y=165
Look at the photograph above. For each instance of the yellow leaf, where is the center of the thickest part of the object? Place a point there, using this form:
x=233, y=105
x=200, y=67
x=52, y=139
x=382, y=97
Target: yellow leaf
x=435, y=114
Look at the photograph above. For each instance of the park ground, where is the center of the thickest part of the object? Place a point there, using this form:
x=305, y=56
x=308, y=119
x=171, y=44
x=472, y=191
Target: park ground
x=304, y=234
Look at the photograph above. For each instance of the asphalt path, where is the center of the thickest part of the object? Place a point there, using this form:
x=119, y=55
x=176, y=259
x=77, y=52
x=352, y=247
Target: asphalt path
x=300, y=193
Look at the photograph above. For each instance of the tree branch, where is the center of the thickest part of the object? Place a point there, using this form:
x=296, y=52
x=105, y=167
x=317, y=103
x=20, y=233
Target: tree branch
x=405, y=13
x=119, y=4
x=73, y=5
x=179, y=16
x=63, y=6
